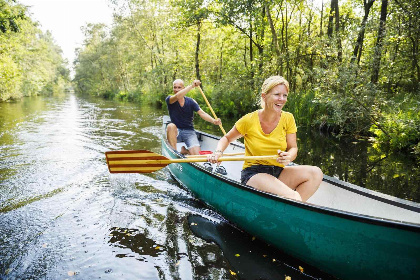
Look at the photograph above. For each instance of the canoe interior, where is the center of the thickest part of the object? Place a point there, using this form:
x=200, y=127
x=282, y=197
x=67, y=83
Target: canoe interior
x=332, y=193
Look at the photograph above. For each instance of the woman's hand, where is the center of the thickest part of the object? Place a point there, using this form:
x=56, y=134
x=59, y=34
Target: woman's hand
x=284, y=157
x=214, y=157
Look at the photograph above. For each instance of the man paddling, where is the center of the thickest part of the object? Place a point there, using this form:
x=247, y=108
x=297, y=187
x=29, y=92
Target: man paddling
x=181, y=110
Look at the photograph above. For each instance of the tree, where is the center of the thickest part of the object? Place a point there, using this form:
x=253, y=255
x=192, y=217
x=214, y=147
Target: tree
x=30, y=62
x=11, y=15
x=379, y=42
x=193, y=12
x=357, y=53
x=335, y=17
x=249, y=18
x=410, y=17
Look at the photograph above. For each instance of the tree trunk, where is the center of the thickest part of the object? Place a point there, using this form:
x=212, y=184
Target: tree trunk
x=251, y=51
x=287, y=48
x=331, y=19
x=297, y=59
x=176, y=65
x=220, y=63
x=151, y=59
x=261, y=46
x=246, y=65
x=379, y=42
x=273, y=31
x=337, y=31
x=357, y=52
x=251, y=57
x=415, y=64
x=197, y=51
x=335, y=15
x=322, y=18
x=283, y=44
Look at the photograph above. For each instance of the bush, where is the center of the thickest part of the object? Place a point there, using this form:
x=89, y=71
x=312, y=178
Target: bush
x=401, y=130
x=232, y=98
x=10, y=77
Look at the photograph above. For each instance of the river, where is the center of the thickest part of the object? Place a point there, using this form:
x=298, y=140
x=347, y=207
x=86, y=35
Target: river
x=64, y=216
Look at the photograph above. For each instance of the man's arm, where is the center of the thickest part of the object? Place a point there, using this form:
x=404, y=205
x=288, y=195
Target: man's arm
x=181, y=94
x=208, y=118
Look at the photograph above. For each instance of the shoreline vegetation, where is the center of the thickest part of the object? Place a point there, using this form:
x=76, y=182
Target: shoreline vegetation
x=353, y=66
x=30, y=62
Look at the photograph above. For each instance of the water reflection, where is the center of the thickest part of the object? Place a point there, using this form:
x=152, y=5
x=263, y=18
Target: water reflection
x=359, y=162
x=139, y=244
x=248, y=257
x=362, y=163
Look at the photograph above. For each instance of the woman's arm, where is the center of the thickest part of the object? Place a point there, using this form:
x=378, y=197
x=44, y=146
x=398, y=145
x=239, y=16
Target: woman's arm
x=223, y=143
x=291, y=151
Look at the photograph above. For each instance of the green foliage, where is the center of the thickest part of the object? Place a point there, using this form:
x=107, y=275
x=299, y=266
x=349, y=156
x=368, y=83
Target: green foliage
x=30, y=62
x=10, y=16
x=232, y=98
x=94, y=72
x=305, y=107
x=192, y=12
x=240, y=46
x=402, y=126
x=10, y=78
x=346, y=101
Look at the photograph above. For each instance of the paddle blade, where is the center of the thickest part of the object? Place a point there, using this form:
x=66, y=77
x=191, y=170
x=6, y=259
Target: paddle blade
x=141, y=161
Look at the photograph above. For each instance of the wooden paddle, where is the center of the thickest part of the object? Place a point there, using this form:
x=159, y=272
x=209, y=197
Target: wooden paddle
x=211, y=109
x=203, y=156
x=143, y=161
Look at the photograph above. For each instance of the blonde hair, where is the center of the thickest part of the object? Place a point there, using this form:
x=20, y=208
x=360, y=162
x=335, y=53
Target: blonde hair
x=271, y=82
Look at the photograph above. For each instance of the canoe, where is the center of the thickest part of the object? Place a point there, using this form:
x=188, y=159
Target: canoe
x=344, y=230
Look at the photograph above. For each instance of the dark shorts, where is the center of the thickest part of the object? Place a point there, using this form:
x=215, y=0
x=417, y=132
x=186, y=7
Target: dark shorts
x=189, y=136
x=248, y=172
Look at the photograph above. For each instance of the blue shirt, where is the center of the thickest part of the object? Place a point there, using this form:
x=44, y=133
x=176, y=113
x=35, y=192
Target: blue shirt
x=183, y=117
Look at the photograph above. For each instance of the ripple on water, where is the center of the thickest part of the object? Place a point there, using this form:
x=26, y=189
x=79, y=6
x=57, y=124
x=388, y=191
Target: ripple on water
x=65, y=216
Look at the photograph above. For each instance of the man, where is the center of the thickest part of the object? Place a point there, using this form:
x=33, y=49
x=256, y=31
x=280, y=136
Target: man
x=181, y=110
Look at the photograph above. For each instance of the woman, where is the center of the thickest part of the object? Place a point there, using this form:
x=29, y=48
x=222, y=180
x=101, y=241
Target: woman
x=269, y=131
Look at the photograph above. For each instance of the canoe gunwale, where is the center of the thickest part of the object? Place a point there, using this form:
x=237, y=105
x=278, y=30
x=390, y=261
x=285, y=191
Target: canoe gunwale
x=313, y=207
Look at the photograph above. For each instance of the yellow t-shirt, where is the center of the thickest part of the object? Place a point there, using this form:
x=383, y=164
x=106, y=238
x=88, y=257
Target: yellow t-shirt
x=258, y=143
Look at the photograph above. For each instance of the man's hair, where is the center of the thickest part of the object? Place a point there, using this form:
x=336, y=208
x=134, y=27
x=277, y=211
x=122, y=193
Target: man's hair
x=271, y=82
x=178, y=81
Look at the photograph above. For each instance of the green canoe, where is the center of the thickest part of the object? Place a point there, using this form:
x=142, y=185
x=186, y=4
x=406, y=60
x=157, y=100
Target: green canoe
x=345, y=230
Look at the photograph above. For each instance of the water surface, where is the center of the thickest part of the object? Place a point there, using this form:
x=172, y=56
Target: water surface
x=64, y=216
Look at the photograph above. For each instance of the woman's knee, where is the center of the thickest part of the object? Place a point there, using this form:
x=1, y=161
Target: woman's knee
x=297, y=196
x=317, y=174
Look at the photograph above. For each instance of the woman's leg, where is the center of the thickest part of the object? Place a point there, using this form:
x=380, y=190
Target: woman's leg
x=305, y=179
x=268, y=183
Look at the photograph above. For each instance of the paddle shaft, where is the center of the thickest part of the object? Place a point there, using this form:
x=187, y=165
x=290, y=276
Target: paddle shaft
x=211, y=109
x=203, y=156
x=181, y=160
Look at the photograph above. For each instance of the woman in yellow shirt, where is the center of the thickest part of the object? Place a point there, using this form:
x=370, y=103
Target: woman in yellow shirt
x=269, y=131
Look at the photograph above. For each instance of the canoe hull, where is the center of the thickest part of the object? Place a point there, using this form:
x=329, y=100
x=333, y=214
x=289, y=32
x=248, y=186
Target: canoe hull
x=342, y=244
